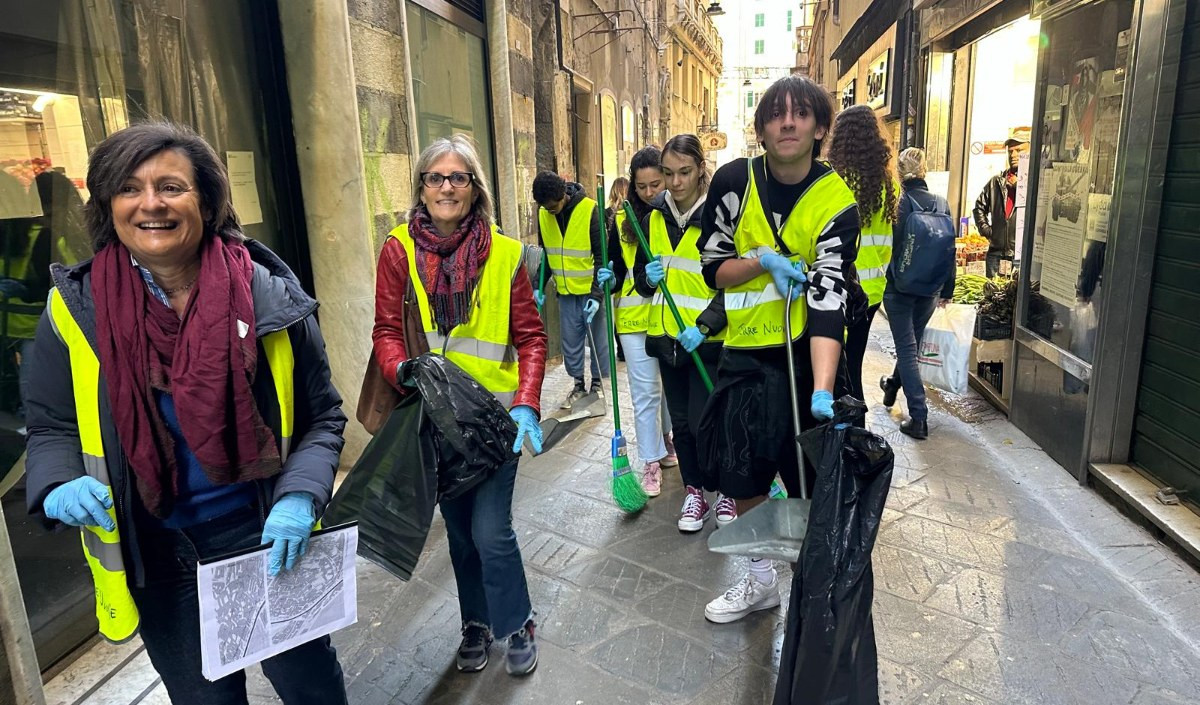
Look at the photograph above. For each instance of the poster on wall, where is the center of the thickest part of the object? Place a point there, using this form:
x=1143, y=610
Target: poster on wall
x=1098, y=205
x=1081, y=110
x=1104, y=140
x=1040, y=215
x=1065, y=228
x=243, y=187
x=1020, y=202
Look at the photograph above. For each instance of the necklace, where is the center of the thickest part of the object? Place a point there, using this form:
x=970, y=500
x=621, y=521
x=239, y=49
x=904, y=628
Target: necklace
x=181, y=289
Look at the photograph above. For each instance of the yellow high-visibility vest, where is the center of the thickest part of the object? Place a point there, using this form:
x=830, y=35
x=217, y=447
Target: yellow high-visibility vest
x=684, y=280
x=21, y=316
x=632, y=310
x=570, y=255
x=483, y=345
x=874, y=254
x=755, y=309
x=115, y=609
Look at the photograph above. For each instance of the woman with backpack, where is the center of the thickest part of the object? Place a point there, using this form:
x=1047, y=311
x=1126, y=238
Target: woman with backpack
x=919, y=279
x=862, y=156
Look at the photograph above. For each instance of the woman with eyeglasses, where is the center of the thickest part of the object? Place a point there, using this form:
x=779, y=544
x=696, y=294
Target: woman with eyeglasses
x=476, y=303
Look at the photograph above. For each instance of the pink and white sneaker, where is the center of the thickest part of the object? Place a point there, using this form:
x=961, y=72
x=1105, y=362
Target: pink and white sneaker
x=725, y=509
x=671, y=460
x=652, y=479
x=694, y=512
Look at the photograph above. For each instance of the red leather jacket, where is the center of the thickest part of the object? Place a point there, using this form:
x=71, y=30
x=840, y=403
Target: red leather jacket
x=528, y=333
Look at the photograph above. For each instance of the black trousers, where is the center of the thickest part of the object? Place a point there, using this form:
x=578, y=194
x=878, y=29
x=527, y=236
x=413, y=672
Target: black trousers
x=686, y=397
x=856, y=350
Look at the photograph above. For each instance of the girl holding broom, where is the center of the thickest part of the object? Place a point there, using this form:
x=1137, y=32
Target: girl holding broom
x=632, y=318
x=673, y=228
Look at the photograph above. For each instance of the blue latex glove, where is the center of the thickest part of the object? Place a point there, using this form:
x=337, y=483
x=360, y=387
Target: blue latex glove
x=691, y=338
x=288, y=526
x=83, y=501
x=539, y=298
x=404, y=375
x=655, y=272
x=783, y=271
x=605, y=274
x=590, y=307
x=822, y=405
x=527, y=427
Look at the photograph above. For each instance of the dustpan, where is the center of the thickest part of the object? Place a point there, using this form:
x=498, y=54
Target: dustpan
x=774, y=529
x=556, y=428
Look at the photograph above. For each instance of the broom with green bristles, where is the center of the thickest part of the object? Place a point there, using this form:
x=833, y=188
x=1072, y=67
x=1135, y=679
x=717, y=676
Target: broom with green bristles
x=626, y=487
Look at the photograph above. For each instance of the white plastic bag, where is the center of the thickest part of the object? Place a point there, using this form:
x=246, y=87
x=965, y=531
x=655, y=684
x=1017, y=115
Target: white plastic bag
x=946, y=347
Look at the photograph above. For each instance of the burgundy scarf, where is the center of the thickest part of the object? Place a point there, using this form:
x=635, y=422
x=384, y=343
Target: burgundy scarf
x=206, y=361
x=450, y=266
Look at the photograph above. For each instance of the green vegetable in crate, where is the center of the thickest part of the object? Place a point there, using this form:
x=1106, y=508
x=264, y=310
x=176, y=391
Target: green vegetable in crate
x=968, y=289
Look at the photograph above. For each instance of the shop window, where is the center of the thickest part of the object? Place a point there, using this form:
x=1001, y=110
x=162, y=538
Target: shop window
x=451, y=96
x=608, y=138
x=759, y=46
x=789, y=20
x=759, y=20
x=937, y=115
x=1084, y=74
x=750, y=100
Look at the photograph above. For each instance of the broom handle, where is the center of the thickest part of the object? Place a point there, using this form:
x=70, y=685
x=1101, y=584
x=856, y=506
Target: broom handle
x=608, y=312
x=542, y=277
x=662, y=286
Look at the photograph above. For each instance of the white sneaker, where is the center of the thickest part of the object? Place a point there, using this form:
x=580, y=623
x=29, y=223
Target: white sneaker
x=747, y=596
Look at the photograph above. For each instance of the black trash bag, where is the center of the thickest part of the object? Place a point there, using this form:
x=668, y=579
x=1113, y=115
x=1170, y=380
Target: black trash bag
x=829, y=655
x=435, y=445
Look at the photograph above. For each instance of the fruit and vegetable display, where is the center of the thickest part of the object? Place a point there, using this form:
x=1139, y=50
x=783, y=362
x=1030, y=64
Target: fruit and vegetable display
x=972, y=248
x=968, y=288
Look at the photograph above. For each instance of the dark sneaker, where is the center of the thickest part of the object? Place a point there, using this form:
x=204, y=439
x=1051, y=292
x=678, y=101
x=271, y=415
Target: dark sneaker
x=473, y=651
x=597, y=389
x=890, y=387
x=916, y=429
x=522, y=651
x=576, y=394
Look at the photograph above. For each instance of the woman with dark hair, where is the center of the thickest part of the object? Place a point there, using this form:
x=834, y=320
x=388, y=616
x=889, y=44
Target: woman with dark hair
x=673, y=228
x=631, y=311
x=182, y=407
x=861, y=155
x=475, y=305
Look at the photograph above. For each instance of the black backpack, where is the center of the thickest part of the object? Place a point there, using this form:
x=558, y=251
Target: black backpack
x=924, y=258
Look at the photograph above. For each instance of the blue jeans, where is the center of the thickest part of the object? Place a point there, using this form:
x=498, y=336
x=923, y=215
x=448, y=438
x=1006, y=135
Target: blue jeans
x=573, y=323
x=170, y=624
x=492, y=590
x=907, y=317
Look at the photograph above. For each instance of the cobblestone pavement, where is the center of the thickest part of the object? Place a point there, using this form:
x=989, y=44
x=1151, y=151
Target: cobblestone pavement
x=999, y=581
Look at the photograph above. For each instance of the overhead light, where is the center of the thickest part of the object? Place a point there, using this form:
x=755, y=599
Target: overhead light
x=715, y=9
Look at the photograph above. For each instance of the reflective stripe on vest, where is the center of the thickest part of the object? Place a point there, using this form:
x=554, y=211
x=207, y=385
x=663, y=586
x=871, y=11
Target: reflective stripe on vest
x=684, y=280
x=874, y=253
x=632, y=309
x=570, y=256
x=482, y=346
x=115, y=610
x=755, y=309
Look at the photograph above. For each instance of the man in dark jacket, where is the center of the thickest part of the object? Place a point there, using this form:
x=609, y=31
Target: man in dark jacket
x=995, y=206
x=573, y=258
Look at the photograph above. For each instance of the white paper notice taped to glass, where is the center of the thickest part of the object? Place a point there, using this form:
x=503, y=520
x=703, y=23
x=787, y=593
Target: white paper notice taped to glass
x=247, y=616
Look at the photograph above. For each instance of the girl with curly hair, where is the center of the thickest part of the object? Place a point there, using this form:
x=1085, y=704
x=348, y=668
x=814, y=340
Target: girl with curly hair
x=861, y=155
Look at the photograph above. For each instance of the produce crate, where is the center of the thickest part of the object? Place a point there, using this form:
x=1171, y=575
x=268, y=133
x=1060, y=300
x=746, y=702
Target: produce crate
x=990, y=329
x=992, y=373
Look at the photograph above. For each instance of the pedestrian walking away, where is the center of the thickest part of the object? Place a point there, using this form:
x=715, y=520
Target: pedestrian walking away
x=673, y=228
x=771, y=225
x=861, y=155
x=652, y=423
x=181, y=408
x=994, y=210
x=569, y=231
x=476, y=305
x=910, y=304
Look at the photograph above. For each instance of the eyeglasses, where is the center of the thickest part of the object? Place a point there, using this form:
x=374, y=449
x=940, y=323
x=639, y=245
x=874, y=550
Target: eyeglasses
x=459, y=179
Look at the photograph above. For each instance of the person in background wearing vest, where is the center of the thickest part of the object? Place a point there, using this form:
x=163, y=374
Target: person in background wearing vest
x=217, y=426
x=907, y=313
x=476, y=303
x=673, y=227
x=656, y=448
x=770, y=225
x=569, y=231
x=994, y=209
x=861, y=155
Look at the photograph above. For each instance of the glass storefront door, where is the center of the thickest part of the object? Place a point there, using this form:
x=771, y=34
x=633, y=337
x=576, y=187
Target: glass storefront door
x=71, y=73
x=1082, y=72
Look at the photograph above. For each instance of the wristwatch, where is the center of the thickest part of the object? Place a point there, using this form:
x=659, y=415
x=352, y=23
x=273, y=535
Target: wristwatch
x=704, y=330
